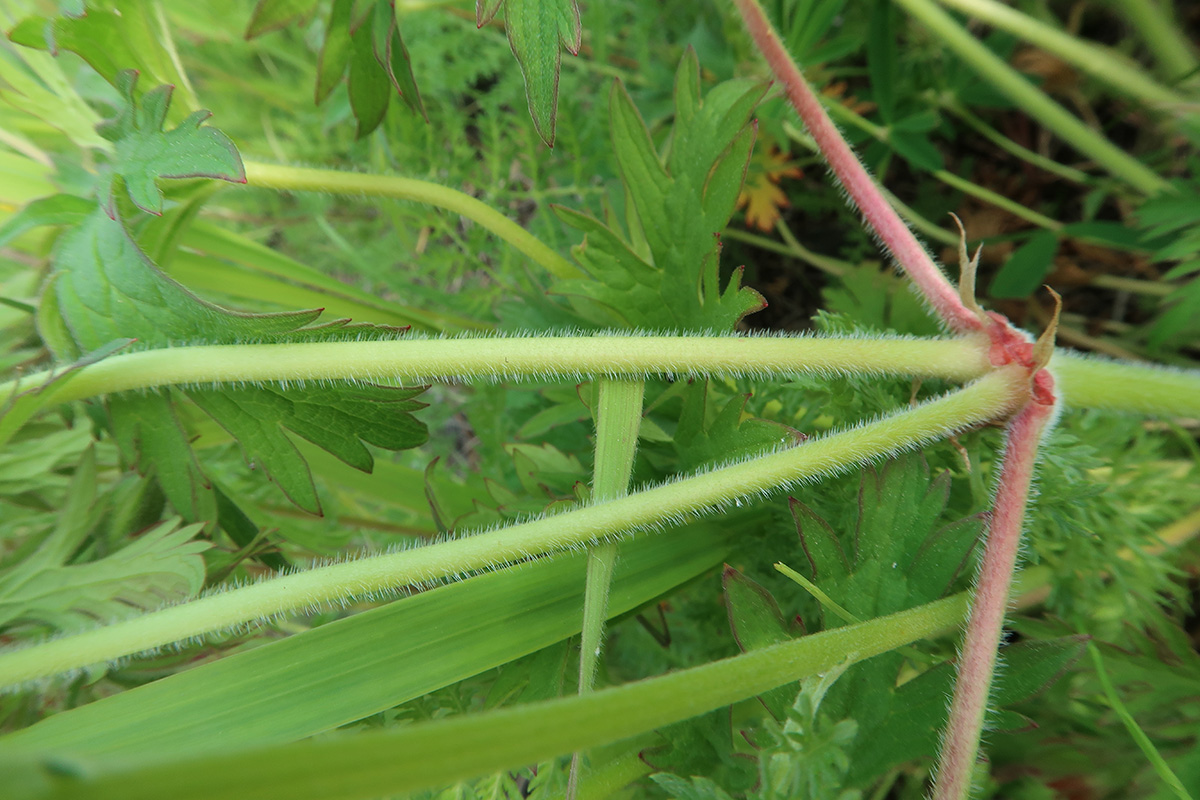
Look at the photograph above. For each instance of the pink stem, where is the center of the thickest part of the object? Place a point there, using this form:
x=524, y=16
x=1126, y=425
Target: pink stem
x=977, y=663
x=883, y=219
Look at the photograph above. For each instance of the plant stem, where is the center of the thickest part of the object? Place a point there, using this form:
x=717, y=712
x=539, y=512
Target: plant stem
x=1104, y=64
x=1033, y=101
x=618, y=418
x=863, y=190
x=1143, y=742
x=1163, y=36
x=879, y=132
x=428, y=754
x=951, y=104
x=303, y=179
x=991, y=397
x=1085, y=381
x=977, y=662
x=415, y=361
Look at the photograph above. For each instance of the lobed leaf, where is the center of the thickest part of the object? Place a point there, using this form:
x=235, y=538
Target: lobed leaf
x=667, y=274
x=536, y=29
x=144, y=152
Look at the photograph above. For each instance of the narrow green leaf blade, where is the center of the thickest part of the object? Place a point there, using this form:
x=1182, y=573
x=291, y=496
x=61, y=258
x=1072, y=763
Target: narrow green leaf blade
x=358, y=666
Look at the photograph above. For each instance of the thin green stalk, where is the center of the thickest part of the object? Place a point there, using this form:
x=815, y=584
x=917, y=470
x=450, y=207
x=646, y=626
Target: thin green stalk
x=1105, y=64
x=1143, y=742
x=789, y=247
x=618, y=418
x=416, y=361
x=304, y=179
x=1164, y=37
x=430, y=754
x=1033, y=101
x=951, y=104
x=991, y=397
x=844, y=115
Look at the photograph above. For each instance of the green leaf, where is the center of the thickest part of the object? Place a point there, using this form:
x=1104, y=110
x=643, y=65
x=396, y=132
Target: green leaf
x=59, y=209
x=160, y=565
x=368, y=85
x=365, y=45
x=25, y=402
x=704, y=438
x=270, y=15
x=1026, y=267
x=337, y=420
x=485, y=11
x=393, y=56
x=105, y=286
x=756, y=621
x=882, y=62
x=144, y=152
x=666, y=275
x=335, y=49
x=917, y=710
x=536, y=29
x=119, y=37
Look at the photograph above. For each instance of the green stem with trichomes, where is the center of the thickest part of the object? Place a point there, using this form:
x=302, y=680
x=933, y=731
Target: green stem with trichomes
x=304, y=179
x=417, y=361
x=991, y=397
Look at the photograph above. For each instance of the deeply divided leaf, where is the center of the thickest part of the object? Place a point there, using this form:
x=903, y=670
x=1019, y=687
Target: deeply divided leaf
x=145, y=152
x=666, y=274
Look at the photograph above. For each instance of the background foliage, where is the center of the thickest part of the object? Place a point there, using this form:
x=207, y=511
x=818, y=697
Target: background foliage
x=107, y=509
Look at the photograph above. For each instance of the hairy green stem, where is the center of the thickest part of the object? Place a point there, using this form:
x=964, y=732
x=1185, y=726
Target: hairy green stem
x=1033, y=101
x=424, y=755
x=991, y=397
x=1094, y=382
x=304, y=179
x=618, y=418
x=417, y=361
x=1104, y=64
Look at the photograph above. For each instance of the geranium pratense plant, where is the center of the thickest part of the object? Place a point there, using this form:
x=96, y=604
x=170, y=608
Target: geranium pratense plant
x=648, y=298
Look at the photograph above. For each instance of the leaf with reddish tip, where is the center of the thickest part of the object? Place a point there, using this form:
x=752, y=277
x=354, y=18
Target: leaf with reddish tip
x=756, y=622
x=485, y=11
x=537, y=29
x=826, y=558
